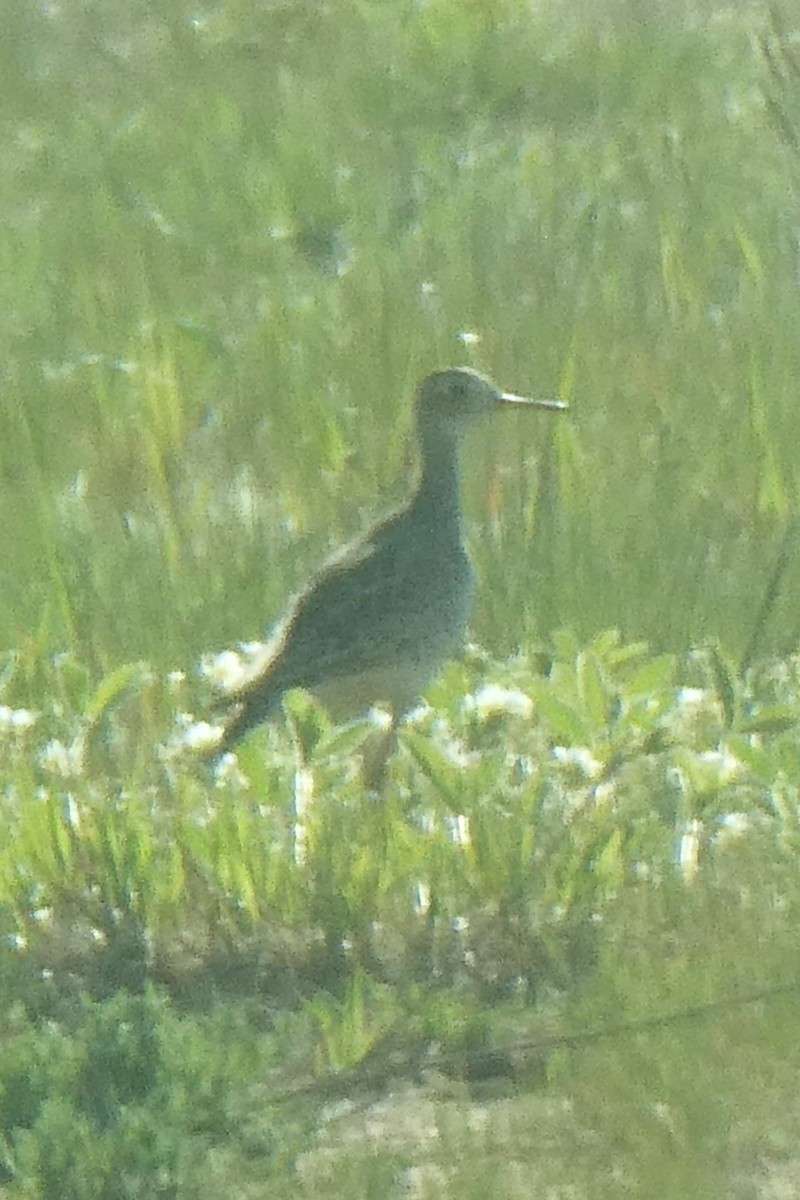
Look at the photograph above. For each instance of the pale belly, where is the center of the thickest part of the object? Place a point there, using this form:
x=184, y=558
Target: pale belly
x=398, y=687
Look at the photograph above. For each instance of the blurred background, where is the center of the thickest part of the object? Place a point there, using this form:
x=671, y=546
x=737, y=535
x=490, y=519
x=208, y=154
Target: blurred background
x=559, y=957
x=235, y=237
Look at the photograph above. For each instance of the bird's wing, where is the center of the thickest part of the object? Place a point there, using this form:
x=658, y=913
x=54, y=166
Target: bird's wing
x=368, y=605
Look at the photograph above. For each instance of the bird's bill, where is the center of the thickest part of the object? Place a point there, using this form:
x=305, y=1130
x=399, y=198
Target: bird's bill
x=553, y=405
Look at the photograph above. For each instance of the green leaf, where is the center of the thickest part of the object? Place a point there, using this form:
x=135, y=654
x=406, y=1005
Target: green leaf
x=110, y=689
x=565, y=645
x=777, y=718
x=308, y=720
x=564, y=721
x=436, y=763
x=724, y=684
x=654, y=676
x=593, y=691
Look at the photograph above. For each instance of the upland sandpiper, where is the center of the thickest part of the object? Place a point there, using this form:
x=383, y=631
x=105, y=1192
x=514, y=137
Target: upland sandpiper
x=377, y=622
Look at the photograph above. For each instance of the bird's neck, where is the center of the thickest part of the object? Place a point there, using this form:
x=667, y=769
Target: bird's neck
x=438, y=489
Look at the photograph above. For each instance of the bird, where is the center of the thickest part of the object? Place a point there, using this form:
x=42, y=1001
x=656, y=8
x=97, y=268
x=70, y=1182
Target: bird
x=384, y=613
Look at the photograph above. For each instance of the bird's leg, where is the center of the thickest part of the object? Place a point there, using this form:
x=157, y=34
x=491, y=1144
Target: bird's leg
x=376, y=757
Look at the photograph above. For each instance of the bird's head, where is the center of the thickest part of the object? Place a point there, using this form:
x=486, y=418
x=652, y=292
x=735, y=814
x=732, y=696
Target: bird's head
x=452, y=399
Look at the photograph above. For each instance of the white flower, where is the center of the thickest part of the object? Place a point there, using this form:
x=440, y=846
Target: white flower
x=722, y=763
x=226, y=670
x=732, y=826
x=228, y=773
x=689, y=850
x=421, y=898
x=580, y=757
x=690, y=697
x=458, y=829
x=66, y=761
x=13, y=719
x=492, y=698
x=199, y=735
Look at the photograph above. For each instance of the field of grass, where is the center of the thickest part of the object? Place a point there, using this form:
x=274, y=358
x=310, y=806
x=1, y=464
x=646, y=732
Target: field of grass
x=559, y=957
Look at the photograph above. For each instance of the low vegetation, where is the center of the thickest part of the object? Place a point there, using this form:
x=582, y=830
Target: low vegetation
x=558, y=956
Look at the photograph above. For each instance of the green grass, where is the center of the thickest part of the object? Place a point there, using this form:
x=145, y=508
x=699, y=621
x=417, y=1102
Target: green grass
x=221, y=293
x=233, y=241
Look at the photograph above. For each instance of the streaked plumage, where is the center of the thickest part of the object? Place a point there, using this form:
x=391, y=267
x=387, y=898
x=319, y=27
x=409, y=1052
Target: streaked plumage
x=380, y=618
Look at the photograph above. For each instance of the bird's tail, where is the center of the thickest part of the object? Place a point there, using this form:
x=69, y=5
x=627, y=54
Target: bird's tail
x=246, y=713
